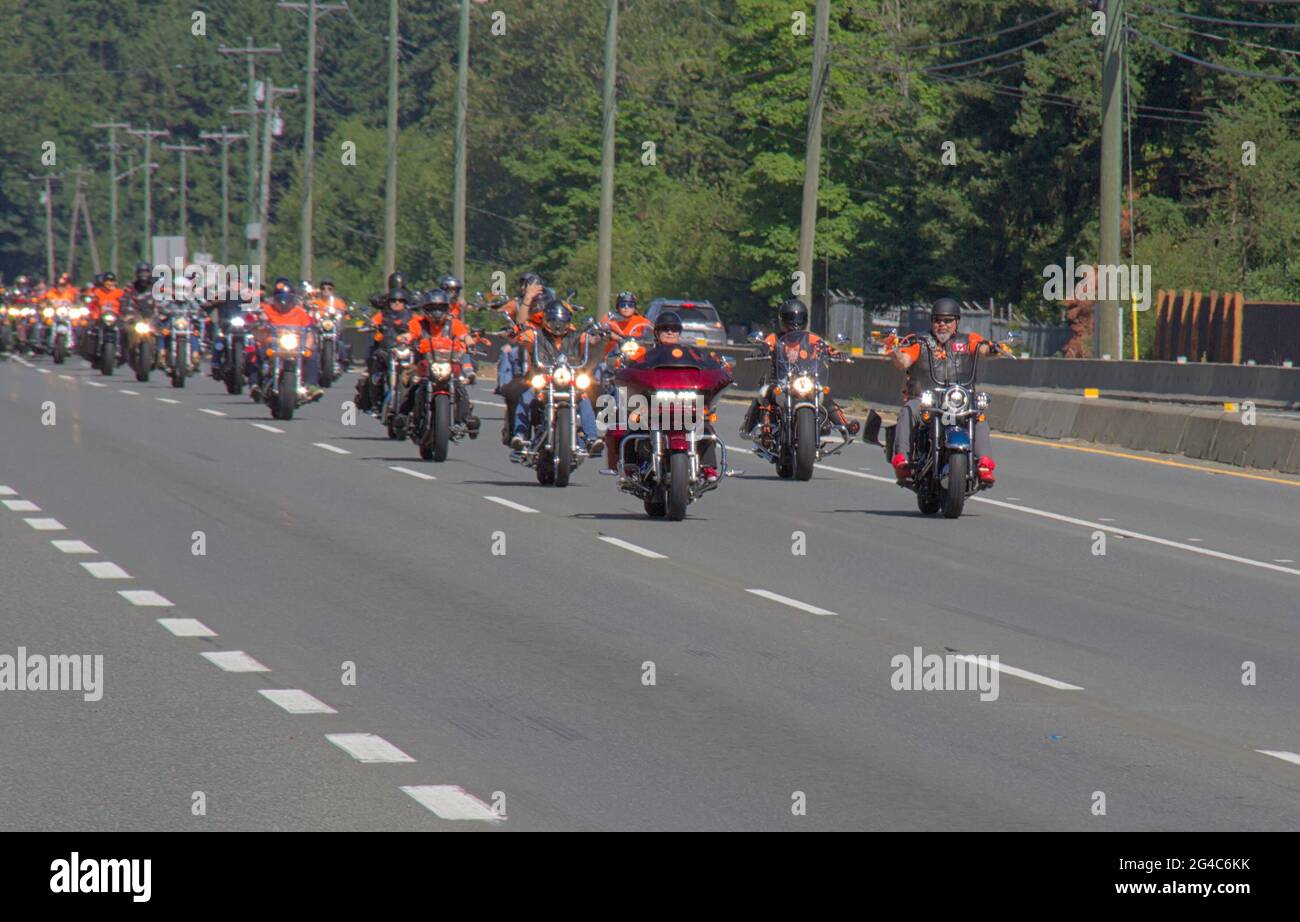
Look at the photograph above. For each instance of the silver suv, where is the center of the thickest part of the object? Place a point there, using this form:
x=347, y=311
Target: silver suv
x=701, y=325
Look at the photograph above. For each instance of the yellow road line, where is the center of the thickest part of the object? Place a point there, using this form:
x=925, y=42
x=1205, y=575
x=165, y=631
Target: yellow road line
x=1123, y=454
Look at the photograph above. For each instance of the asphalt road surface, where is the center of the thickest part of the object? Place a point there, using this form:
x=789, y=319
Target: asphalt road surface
x=477, y=652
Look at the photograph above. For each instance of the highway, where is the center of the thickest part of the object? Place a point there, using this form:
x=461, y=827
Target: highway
x=509, y=691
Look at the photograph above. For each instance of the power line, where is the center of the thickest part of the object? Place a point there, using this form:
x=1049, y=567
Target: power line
x=1219, y=38
x=986, y=57
x=1253, y=74
x=1244, y=23
x=980, y=38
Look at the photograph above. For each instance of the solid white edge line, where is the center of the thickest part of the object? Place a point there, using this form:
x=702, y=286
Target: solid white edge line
x=368, y=748
x=1020, y=673
x=451, y=802
x=333, y=448
x=296, y=701
x=786, y=600
x=410, y=473
x=629, y=546
x=508, y=504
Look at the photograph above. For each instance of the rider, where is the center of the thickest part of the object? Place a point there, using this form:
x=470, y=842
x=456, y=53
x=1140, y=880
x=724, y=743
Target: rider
x=792, y=317
x=557, y=335
x=626, y=322
x=433, y=328
x=64, y=290
x=513, y=361
x=668, y=348
x=952, y=352
x=106, y=295
x=140, y=303
x=391, y=324
x=285, y=310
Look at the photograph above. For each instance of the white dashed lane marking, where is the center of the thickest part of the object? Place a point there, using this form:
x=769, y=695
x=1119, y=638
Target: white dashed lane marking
x=95, y=384
x=166, y=400
x=508, y=504
x=265, y=427
x=1281, y=754
x=234, y=661
x=74, y=547
x=130, y=393
x=21, y=505
x=366, y=747
x=46, y=524
x=187, y=627
x=144, y=597
x=296, y=701
x=211, y=412
x=629, y=546
x=106, y=570
x=8, y=491
x=411, y=473
x=1021, y=673
x=793, y=603
x=67, y=377
x=451, y=802
x=333, y=448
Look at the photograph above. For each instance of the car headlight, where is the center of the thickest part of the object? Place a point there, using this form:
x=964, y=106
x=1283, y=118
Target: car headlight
x=981, y=401
x=583, y=381
x=289, y=341
x=142, y=327
x=538, y=382
x=562, y=376
x=440, y=369
x=802, y=385
x=237, y=323
x=927, y=399
x=628, y=347
x=955, y=400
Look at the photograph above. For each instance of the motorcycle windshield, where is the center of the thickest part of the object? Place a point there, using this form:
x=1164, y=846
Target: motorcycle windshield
x=794, y=354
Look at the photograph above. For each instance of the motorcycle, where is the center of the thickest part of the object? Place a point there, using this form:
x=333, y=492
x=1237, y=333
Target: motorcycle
x=552, y=448
x=177, y=350
x=144, y=352
x=106, y=341
x=400, y=357
x=327, y=333
x=799, y=395
x=941, y=452
x=432, y=425
x=228, y=348
x=61, y=338
x=283, y=391
x=658, y=447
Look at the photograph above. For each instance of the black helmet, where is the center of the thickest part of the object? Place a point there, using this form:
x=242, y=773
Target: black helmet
x=555, y=316
x=792, y=315
x=946, y=307
x=625, y=299
x=435, y=301
x=108, y=277
x=326, y=281
x=282, y=284
x=396, y=280
x=529, y=278
x=450, y=283
x=284, y=299
x=143, y=268
x=398, y=294
x=668, y=322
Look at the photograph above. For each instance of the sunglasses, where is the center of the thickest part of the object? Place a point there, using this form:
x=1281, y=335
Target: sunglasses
x=943, y=319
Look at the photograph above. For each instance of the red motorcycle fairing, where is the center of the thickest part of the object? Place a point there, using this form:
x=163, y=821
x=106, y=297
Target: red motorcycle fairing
x=643, y=379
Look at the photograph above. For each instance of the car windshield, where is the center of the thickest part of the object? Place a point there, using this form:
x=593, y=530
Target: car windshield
x=700, y=313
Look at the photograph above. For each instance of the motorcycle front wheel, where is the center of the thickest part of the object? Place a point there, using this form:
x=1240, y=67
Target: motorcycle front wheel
x=954, y=497
x=563, y=448
x=805, y=442
x=679, y=486
x=144, y=361
x=108, y=358
x=286, y=396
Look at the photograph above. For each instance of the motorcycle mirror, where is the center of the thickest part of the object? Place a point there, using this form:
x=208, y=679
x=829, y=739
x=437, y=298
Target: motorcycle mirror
x=729, y=361
x=841, y=337
x=755, y=337
x=572, y=293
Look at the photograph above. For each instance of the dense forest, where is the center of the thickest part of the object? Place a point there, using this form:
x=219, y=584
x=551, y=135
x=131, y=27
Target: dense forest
x=720, y=87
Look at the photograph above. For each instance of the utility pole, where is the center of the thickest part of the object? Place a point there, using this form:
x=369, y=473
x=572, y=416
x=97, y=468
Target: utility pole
x=148, y=134
x=390, y=186
x=313, y=9
x=250, y=51
x=270, y=117
x=185, y=211
x=1107, y=314
x=821, y=73
x=605, y=232
x=81, y=208
x=112, y=185
x=49, y=220
x=462, y=91
x=225, y=138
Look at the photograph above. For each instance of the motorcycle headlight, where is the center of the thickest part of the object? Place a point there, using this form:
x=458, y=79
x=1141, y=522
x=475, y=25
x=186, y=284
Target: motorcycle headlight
x=327, y=324
x=583, y=381
x=956, y=400
x=628, y=347
x=109, y=317
x=981, y=401
x=237, y=323
x=802, y=385
x=62, y=312
x=402, y=354
x=180, y=323
x=562, y=376
x=289, y=341
x=440, y=369
x=142, y=328
x=15, y=311
x=538, y=382
x=47, y=312
x=927, y=399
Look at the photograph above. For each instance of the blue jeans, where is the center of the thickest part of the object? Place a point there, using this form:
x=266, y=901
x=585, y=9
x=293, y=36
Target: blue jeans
x=586, y=415
x=507, y=369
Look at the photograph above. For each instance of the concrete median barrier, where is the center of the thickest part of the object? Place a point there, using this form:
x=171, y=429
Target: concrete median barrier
x=1274, y=445
x=1232, y=440
x=1198, y=436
